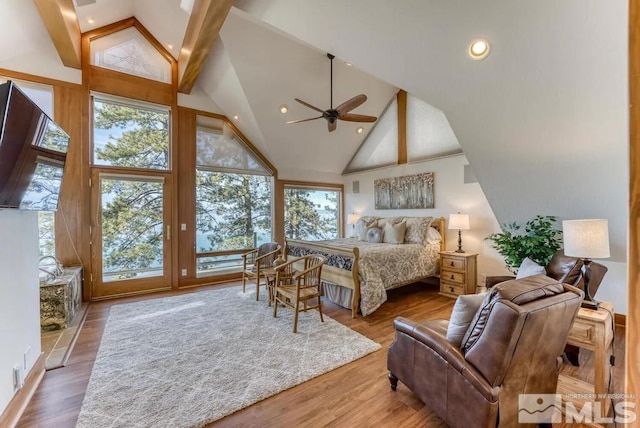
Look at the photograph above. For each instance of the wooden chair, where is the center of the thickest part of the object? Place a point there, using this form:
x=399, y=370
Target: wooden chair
x=255, y=260
x=304, y=286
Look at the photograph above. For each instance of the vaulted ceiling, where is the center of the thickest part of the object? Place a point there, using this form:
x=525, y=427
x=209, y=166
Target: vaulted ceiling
x=543, y=119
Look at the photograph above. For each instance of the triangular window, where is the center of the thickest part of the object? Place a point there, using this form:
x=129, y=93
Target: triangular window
x=128, y=51
x=218, y=148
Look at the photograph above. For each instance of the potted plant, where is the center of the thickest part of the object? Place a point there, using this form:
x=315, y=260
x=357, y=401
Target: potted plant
x=539, y=239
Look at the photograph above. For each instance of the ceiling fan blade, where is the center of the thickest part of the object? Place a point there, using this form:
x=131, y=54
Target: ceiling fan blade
x=349, y=105
x=332, y=126
x=308, y=105
x=304, y=120
x=357, y=118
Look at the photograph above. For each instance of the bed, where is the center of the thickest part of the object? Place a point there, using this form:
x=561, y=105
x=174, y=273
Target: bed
x=357, y=273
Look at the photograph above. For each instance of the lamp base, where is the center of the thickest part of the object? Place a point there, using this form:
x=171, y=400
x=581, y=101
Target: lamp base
x=459, y=250
x=590, y=304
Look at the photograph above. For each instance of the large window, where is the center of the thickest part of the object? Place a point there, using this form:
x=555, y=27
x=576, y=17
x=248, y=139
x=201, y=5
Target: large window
x=233, y=198
x=129, y=134
x=312, y=213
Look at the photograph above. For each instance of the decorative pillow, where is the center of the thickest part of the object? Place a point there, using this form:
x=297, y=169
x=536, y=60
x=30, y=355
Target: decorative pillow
x=382, y=222
x=529, y=268
x=464, y=309
x=417, y=230
x=363, y=224
x=394, y=233
x=374, y=235
x=433, y=236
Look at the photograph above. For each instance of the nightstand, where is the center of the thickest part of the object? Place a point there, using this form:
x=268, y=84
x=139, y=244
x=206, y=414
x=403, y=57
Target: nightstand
x=593, y=330
x=458, y=273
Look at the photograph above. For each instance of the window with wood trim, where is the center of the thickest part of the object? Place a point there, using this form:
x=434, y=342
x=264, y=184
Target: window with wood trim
x=131, y=134
x=234, y=195
x=312, y=213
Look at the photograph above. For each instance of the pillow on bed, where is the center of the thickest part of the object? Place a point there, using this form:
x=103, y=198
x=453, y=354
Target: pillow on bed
x=374, y=235
x=433, y=236
x=382, y=222
x=394, y=233
x=417, y=230
x=363, y=224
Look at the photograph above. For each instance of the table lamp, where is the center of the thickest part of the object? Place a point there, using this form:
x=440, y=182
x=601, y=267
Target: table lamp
x=587, y=240
x=352, y=219
x=459, y=222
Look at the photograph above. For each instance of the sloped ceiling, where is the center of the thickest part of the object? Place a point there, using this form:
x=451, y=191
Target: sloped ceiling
x=543, y=119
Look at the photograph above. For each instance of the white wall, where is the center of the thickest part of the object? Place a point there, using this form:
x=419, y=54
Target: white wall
x=451, y=195
x=19, y=296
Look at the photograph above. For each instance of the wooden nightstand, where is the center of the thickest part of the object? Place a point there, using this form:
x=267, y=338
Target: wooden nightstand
x=591, y=330
x=458, y=273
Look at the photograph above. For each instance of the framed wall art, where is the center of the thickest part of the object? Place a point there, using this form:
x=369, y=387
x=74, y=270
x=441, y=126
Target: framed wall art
x=408, y=192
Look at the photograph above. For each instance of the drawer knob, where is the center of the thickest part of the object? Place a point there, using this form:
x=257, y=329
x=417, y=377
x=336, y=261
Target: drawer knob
x=451, y=288
x=452, y=277
x=452, y=264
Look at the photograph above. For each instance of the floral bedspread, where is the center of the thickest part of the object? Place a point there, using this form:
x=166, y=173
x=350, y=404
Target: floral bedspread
x=381, y=266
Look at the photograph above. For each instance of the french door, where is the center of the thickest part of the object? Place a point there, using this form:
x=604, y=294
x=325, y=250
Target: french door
x=130, y=232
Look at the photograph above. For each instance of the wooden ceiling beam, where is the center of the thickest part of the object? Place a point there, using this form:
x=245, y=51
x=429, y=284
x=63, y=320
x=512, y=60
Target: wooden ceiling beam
x=59, y=16
x=402, y=127
x=207, y=17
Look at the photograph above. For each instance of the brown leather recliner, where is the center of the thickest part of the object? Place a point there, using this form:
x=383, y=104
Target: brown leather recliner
x=564, y=269
x=511, y=348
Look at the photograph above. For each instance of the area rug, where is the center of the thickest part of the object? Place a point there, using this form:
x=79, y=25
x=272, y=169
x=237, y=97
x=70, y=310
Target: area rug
x=188, y=360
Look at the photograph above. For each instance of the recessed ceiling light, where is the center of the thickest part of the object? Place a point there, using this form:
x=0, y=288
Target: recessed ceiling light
x=91, y=21
x=360, y=130
x=170, y=46
x=348, y=64
x=479, y=49
x=284, y=108
x=236, y=117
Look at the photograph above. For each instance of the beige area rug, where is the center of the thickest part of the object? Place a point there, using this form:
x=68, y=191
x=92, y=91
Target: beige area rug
x=188, y=360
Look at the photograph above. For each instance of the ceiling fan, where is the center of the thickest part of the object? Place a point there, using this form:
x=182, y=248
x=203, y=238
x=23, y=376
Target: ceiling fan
x=341, y=112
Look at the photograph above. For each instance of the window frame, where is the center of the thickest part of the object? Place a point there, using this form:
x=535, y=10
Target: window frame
x=310, y=185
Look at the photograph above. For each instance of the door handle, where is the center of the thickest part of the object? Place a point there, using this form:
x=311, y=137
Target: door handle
x=168, y=232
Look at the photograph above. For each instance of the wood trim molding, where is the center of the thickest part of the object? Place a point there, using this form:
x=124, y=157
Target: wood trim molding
x=205, y=22
x=632, y=356
x=19, y=402
x=402, y=127
x=59, y=16
x=620, y=320
x=36, y=79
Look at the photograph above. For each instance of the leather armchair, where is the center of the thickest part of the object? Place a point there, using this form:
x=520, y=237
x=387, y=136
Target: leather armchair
x=512, y=348
x=564, y=269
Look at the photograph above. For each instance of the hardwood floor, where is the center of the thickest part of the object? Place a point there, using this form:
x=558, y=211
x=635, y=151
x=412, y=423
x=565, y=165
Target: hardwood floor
x=357, y=394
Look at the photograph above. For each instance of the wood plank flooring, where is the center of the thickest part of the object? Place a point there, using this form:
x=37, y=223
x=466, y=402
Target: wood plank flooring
x=354, y=395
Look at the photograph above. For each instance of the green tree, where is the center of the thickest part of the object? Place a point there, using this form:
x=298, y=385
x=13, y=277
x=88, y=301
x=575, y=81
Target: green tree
x=303, y=218
x=232, y=208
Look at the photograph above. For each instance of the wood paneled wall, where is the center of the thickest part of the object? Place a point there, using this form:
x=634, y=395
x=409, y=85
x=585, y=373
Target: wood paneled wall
x=632, y=360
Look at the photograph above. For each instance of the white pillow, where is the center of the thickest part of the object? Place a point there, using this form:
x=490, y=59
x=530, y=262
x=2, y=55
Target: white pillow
x=394, y=233
x=374, y=235
x=464, y=309
x=529, y=268
x=433, y=236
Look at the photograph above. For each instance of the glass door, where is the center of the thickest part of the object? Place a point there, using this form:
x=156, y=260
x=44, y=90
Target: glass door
x=130, y=233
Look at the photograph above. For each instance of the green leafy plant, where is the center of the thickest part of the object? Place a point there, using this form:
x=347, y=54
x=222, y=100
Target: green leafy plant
x=538, y=239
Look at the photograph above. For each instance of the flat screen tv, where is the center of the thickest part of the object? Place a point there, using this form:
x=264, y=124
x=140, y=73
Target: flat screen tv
x=33, y=150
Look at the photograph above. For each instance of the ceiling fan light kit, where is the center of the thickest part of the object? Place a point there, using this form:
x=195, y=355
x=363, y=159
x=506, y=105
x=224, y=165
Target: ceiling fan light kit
x=332, y=115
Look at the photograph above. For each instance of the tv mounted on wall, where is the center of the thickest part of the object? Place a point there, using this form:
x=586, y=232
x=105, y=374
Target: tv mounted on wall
x=33, y=151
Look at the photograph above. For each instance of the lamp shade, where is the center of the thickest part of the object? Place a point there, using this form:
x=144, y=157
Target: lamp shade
x=588, y=239
x=353, y=218
x=459, y=222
